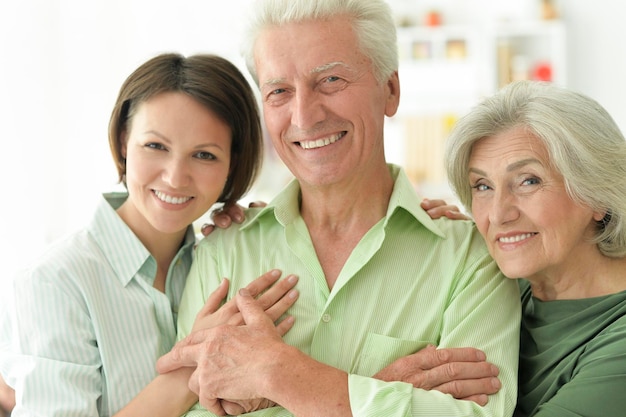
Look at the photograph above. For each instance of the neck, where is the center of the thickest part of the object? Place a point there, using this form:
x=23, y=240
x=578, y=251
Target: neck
x=338, y=217
x=341, y=206
x=600, y=276
x=162, y=246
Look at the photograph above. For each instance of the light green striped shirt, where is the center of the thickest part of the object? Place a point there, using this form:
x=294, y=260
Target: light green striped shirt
x=411, y=281
x=88, y=325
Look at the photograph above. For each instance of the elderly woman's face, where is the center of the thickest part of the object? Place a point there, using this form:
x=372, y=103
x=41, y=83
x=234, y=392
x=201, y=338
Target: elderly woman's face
x=533, y=229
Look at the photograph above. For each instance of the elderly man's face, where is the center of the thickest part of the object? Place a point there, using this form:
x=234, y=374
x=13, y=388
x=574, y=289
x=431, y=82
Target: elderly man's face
x=323, y=108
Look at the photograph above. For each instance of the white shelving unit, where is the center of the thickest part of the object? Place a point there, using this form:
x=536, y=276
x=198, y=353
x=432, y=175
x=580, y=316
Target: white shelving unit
x=445, y=70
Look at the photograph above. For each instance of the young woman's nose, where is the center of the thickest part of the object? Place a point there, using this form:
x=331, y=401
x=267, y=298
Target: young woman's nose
x=176, y=173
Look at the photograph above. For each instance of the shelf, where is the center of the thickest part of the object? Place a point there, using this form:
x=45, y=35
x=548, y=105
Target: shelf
x=445, y=70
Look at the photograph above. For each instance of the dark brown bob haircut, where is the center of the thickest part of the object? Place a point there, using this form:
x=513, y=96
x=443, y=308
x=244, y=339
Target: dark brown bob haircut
x=215, y=83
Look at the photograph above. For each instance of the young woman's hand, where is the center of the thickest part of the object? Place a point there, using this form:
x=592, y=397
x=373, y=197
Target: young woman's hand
x=276, y=298
x=225, y=216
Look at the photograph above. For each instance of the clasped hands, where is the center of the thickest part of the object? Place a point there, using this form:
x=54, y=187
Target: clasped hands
x=228, y=344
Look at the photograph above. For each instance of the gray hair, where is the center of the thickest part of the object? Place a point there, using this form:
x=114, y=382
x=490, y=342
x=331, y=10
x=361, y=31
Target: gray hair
x=583, y=141
x=371, y=20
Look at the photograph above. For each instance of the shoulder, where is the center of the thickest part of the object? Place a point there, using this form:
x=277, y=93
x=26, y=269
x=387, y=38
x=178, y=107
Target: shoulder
x=257, y=219
x=607, y=347
x=66, y=260
x=462, y=235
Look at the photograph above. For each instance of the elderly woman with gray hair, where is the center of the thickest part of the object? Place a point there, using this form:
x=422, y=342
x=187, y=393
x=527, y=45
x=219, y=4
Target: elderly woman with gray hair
x=543, y=171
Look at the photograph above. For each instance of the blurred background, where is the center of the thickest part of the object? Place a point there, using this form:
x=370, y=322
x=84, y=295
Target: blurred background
x=63, y=62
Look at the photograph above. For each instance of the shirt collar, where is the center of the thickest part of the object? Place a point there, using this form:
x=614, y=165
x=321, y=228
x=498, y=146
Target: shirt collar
x=286, y=205
x=120, y=245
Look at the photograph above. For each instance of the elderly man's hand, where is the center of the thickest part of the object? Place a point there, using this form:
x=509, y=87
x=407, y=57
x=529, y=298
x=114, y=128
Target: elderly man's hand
x=229, y=359
x=463, y=373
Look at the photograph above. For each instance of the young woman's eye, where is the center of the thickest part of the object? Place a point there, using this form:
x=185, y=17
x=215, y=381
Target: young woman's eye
x=208, y=156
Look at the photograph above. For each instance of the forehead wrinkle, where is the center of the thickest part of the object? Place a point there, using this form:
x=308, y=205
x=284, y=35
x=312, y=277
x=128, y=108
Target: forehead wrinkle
x=522, y=163
x=510, y=168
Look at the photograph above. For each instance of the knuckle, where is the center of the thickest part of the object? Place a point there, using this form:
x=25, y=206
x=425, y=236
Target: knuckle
x=455, y=389
x=443, y=355
x=451, y=370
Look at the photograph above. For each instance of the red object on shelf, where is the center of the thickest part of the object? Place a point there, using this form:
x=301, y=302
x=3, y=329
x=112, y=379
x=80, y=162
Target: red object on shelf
x=433, y=18
x=542, y=71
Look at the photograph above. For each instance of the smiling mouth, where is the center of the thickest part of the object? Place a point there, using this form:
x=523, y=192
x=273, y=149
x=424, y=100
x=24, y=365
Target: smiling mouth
x=517, y=238
x=169, y=199
x=320, y=143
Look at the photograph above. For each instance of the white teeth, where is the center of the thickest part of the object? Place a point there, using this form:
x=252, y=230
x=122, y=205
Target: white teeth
x=514, y=239
x=169, y=199
x=312, y=144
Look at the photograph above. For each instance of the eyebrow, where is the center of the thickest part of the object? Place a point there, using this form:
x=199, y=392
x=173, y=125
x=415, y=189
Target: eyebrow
x=510, y=168
x=170, y=141
x=316, y=70
x=329, y=66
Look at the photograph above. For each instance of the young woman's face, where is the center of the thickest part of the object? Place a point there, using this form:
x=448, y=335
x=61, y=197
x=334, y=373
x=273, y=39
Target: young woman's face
x=532, y=227
x=177, y=162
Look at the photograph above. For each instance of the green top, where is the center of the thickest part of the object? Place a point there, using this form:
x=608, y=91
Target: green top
x=573, y=357
x=409, y=282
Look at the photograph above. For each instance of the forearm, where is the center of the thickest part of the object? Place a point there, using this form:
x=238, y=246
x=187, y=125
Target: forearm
x=307, y=387
x=168, y=395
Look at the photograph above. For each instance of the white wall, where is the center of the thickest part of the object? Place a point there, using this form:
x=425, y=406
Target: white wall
x=64, y=60
x=62, y=65
x=597, y=52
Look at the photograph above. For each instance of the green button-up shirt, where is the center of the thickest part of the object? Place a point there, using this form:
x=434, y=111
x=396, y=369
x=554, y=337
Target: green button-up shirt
x=409, y=282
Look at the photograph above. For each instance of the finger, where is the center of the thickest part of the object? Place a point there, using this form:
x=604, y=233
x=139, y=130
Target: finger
x=452, y=212
x=432, y=357
x=282, y=305
x=232, y=408
x=206, y=229
x=263, y=282
x=276, y=301
x=480, y=399
x=251, y=310
x=215, y=299
x=285, y=325
x=437, y=208
x=277, y=292
x=471, y=388
x=221, y=219
x=442, y=356
x=458, y=371
x=255, y=288
x=235, y=212
x=184, y=353
x=257, y=204
x=456, y=215
x=428, y=204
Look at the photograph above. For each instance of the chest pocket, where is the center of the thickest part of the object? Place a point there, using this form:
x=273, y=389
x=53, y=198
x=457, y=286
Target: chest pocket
x=379, y=351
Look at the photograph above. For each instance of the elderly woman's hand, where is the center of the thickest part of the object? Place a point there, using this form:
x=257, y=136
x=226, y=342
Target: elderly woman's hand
x=463, y=373
x=439, y=208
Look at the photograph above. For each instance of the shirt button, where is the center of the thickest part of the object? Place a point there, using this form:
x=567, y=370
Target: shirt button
x=326, y=318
